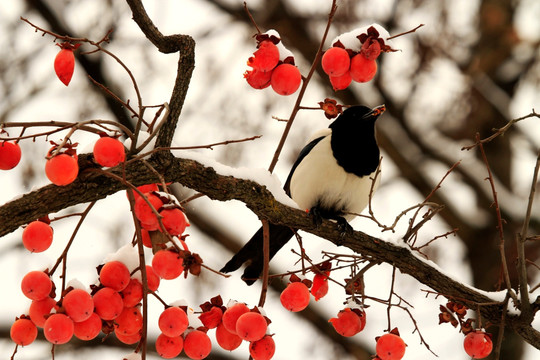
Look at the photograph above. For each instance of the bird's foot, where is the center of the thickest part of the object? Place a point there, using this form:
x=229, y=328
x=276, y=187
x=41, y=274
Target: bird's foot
x=316, y=216
x=344, y=229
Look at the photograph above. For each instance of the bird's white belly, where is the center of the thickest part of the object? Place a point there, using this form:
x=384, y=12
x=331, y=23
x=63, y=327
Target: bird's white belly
x=319, y=180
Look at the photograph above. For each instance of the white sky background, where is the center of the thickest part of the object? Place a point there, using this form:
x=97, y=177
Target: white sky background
x=221, y=106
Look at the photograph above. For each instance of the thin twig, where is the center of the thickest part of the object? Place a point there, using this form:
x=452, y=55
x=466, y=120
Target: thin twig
x=266, y=261
x=296, y=107
x=405, y=33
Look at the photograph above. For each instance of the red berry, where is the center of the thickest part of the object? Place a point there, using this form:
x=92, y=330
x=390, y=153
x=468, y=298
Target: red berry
x=169, y=347
x=341, y=82
x=197, y=345
x=174, y=221
x=144, y=212
x=349, y=323
x=10, y=155
x=286, y=79
x=146, y=238
x=58, y=329
x=37, y=236
x=320, y=286
x=231, y=315
x=227, y=340
x=144, y=189
x=133, y=293
x=129, y=339
x=78, y=304
x=211, y=318
x=62, y=169
x=109, y=152
x=258, y=79
x=362, y=69
x=64, y=64
x=167, y=264
x=262, y=349
x=39, y=309
x=336, y=61
x=152, y=278
x=173, y=321
x=251, y=326
x=88, y=329
x=23, y=332
x=265, y=58
x=478, y=344
x=295, y=297
x=36, y=285
x=129, y=322
x=390, y=347
x=108, y=304
x=115, y=275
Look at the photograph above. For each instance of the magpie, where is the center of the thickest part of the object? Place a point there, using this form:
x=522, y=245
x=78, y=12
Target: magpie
x=332, y=178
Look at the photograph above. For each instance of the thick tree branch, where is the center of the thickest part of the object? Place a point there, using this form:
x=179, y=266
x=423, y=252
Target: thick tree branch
x=91, y=186
x=185, y=46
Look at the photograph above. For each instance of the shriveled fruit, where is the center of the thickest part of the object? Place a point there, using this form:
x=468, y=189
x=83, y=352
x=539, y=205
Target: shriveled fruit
x=10, y=155
x=211, y=318
x=478, y=344
x=295, y=297
x=319, y=288
x=109, y=152
x=349, y=323
x=23, y=332
x=265, y=58
x=62, y=169
x=258, y=79
x=390, y=347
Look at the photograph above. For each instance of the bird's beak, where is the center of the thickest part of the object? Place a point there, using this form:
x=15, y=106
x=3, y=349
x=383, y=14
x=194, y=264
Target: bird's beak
x=378, y=110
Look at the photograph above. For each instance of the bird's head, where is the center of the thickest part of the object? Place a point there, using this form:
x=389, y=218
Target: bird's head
x=358, y=117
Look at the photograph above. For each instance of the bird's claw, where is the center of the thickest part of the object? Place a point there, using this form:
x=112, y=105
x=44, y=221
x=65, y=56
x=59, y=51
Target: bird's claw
x=316, y=216
x=344, y=229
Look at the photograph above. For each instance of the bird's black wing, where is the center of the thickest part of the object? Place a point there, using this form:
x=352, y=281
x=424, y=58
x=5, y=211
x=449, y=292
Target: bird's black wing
x=306, y=150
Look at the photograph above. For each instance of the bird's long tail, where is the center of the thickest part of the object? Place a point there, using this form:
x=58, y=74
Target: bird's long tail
x=252, y=252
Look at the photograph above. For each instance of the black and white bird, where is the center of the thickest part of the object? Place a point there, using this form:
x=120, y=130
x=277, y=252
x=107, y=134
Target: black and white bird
x=332, y=177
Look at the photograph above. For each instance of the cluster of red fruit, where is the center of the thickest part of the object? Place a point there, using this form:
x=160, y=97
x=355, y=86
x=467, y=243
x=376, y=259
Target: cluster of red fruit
x=113, y=306
x=353, y=55
x=272, y=64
